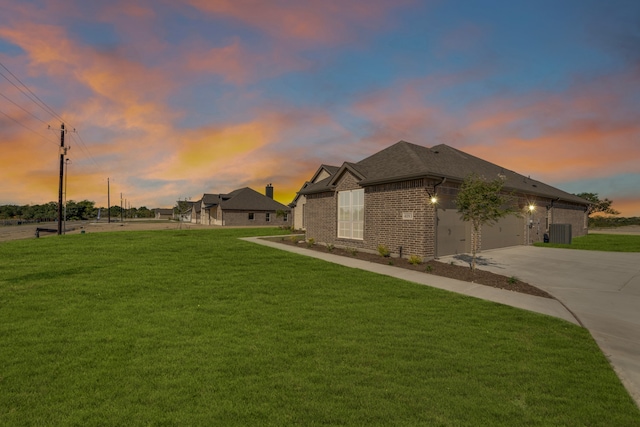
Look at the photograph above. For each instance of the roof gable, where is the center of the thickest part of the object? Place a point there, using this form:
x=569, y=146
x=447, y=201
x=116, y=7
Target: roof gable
x=323, y=173
x=346, y=167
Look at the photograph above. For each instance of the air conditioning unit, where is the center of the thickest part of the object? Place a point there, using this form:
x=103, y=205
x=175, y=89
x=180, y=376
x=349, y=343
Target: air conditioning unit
x=560, y=233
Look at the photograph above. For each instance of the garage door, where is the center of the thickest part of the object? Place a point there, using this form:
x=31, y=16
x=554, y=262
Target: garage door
x=453, y=235
x=507, y=232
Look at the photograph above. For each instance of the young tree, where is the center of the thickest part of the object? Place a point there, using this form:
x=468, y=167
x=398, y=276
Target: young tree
x=603, y=206
x=180, y=209
x=481, y=202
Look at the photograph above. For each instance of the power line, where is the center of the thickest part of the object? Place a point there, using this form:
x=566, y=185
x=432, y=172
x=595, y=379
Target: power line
x=41, y=103
x=84, y=147
x=27, y=127
x=23, y=109
x=43, y=106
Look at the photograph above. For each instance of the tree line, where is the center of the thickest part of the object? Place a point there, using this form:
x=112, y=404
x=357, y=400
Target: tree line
x=75, y=211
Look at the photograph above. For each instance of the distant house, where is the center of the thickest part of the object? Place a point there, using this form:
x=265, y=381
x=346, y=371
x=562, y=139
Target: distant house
x=300, y=200
x=242, y=207
x=386, y=199
x=163, y=213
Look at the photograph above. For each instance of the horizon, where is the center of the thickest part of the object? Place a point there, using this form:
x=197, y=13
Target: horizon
x=172, y=100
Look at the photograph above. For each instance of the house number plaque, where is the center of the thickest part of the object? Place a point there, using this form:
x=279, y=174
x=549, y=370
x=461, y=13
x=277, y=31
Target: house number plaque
x=407, y=215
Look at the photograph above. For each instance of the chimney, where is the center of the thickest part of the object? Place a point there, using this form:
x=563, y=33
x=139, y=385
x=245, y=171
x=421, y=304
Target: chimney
x=268, y=191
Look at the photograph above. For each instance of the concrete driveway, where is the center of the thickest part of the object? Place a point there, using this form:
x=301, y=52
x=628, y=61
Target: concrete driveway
x=602, y=289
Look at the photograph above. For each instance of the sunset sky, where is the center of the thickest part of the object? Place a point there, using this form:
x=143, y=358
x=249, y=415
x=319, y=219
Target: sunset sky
x=171, y=99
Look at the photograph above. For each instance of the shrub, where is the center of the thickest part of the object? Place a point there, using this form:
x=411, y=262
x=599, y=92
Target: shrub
x=384, y=251
x=415, y=260
x=429, y=269
x=513, y=280
x=330, y=247
x=311, y=241
x=295, y=239
x=353, y=251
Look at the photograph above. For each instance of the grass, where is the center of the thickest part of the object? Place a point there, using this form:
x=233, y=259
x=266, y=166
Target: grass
x=600, y=242
x=195, y=327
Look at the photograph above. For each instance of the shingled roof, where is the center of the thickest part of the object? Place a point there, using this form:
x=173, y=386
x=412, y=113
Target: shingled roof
x=327, y=168
x=405, y=161
x=243, y=199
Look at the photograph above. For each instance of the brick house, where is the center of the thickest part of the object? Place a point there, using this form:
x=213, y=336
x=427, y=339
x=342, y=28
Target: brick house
x=241, y=207
x=161, y=213
x=298, y=203
x=386, y=199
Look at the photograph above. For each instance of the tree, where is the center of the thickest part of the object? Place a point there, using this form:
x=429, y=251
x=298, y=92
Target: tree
x=83, y=210
x=144, y=212
x=180, y=209
x=481, y=202
x=597, y=206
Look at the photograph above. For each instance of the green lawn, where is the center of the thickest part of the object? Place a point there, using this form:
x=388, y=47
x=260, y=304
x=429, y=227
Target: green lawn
x=196, y=327
x=600, y=242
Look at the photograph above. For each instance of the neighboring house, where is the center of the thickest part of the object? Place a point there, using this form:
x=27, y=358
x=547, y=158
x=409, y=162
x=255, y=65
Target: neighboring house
x=297, y=206
x=163, y=213
x=244, y=206
x=386, y=199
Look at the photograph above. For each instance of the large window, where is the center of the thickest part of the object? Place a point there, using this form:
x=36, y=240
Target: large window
x=351, y=214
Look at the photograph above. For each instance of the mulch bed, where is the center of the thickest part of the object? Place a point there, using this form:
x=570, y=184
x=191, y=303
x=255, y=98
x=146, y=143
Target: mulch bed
x=430, y=267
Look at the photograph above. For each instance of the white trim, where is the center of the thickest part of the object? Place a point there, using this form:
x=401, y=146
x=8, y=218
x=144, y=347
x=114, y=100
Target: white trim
x=351, y=214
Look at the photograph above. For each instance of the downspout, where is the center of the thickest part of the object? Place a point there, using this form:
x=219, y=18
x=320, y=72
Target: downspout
x=435, y=229
x=552, y=211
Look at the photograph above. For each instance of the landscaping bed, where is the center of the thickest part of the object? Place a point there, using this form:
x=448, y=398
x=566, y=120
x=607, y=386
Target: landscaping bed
x=436, y=268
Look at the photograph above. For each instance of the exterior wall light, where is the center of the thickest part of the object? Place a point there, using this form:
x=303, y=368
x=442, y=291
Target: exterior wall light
x=434, y=200
x=532, y=208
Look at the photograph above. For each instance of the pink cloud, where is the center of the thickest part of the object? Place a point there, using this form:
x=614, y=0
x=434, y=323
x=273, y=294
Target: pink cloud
x=326, y=21
x=235, y=62
x=588, y=131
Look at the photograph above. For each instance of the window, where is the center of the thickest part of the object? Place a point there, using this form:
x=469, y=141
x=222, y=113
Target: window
x=285, y=218
x=250, y=216
x=267, y=217
x=351, y=214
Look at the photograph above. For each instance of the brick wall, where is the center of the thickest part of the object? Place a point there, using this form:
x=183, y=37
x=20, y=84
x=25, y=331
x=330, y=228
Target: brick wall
x=321, y=217
x=396, y=215
x=241, y=218
x=400, y=215
x=547, y=213
x=574, y=215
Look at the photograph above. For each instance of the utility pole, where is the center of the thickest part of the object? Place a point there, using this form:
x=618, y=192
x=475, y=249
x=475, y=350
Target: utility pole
x=121, y=213
x=66, y=178
x=63, y=152
x=108, y=202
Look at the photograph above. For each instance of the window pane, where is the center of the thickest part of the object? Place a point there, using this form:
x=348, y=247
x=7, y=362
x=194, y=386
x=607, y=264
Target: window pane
x=351, y=214
x=358, y=230
x=344, y=229
x=358, y=213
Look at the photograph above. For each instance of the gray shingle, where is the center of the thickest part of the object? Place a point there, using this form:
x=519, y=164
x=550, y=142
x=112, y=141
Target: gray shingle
x=403, y=161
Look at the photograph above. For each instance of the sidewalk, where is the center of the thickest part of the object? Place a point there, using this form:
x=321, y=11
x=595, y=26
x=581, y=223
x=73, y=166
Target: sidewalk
x=550, y=307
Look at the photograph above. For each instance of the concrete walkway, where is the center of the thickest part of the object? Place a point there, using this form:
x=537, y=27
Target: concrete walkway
x=602, y=289
x=597, y=290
